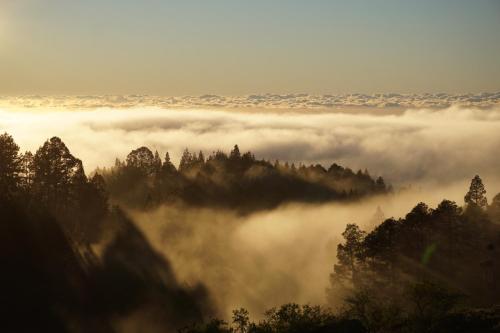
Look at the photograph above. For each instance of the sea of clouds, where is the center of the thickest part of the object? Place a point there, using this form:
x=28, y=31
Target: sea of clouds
x=270, y=257
x=274, y=101
x=411, y=147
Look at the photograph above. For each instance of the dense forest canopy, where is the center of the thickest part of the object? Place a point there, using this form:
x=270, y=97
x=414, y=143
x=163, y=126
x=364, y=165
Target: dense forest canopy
x=435, y=270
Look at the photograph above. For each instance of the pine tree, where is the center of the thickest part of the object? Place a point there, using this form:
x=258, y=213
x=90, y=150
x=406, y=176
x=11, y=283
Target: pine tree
x=348, y=254
x=10, y=165
x=168, y=167
x=201, y=157
x=476, y=194
x=186, y=160
x=235, y=153
x=156, y=162
x=380, y=184
x=58, y=175
x=27, y=170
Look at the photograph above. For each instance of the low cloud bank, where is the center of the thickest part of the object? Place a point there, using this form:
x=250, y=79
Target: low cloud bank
x=272, y=257
x=415, y=147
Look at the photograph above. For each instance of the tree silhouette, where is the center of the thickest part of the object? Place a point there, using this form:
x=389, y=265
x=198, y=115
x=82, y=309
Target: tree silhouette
x=235, y=153
x=186, y=161
x=349, y=253
x=168, y=167
x=10, y=165
x=380, y=184
x=201, y=157
x=476, y=194
x=58, y=175
x=157, y=162
x=241, y=320
x=27, y=170
x=143, y=160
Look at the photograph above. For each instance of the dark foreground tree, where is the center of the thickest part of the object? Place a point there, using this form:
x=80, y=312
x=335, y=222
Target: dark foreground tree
x=288, y=318
x=58, y=175
x=349, y=254
x=10, y=165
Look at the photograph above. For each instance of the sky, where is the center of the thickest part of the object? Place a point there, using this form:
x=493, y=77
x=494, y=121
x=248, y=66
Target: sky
x=233, y=47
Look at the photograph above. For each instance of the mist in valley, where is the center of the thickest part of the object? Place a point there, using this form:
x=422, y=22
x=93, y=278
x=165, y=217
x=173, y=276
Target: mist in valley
x=250, y=166
x=222, y=255
x=272, y=257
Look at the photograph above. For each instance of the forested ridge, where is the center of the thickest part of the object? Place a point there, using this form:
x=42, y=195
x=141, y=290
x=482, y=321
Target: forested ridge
x=237, y=181
x=435, y=270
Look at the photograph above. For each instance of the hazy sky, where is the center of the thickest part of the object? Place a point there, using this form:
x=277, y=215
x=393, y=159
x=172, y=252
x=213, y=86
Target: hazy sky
x=240, y=47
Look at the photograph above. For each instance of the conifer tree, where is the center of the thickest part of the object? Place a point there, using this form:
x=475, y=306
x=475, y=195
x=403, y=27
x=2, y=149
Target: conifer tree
x=476, y=194
x=10, y=165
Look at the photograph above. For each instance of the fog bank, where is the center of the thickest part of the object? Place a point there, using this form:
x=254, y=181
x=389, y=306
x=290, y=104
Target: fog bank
x=414, y=147
x=271, y=257
x=285, y=255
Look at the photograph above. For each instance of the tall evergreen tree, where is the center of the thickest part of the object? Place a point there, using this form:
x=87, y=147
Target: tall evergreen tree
x=201, y=157
x=349, y=253
x=58, y=175
x=27, y=170
x=186, y=160
x=235, y=153
x=380, y=184
x=157, y=162
x=168, y=167
x=10, y=165
x=476, y=194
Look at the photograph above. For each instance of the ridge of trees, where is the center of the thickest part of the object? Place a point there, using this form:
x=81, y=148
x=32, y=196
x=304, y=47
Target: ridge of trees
x=236, y=181
x=423, y=268
x=53, y=177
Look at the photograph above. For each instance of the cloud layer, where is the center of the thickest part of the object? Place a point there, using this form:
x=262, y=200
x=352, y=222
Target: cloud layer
x=270, y=257
x=264, y=101
x=411, y=147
